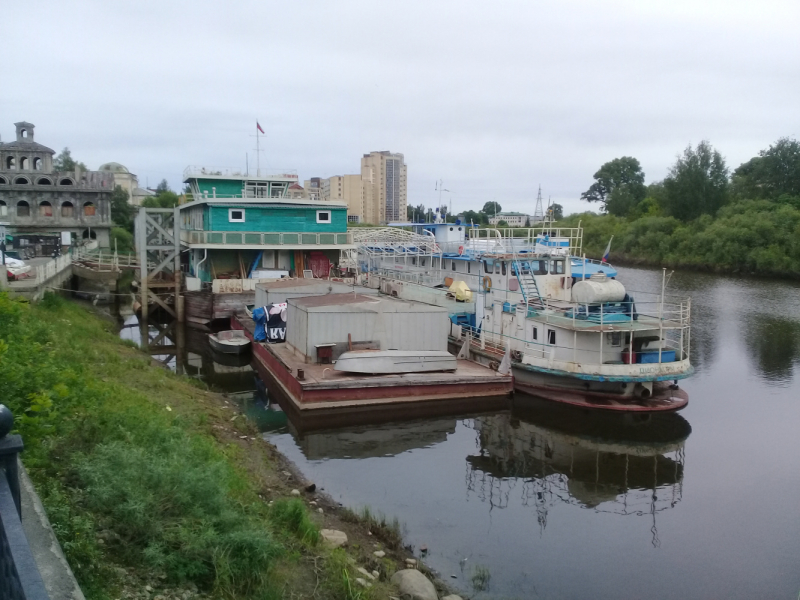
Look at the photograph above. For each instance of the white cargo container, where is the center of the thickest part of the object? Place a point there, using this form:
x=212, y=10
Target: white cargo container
x=365, y=322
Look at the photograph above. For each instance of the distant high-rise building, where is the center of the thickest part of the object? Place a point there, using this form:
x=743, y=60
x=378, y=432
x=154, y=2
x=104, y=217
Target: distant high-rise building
x=347, y=188
x=383, y=180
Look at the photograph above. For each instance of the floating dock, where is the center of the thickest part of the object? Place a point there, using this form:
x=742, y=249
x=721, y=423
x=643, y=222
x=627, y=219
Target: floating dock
x=318, y=393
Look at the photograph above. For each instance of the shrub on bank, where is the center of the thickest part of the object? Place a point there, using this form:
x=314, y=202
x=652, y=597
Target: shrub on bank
x=752, y=236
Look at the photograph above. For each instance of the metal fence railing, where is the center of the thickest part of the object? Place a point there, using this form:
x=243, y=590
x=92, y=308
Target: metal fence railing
x=19, y=576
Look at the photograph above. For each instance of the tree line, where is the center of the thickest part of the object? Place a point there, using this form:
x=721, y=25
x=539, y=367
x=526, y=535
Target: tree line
x=701, y=215
x=423, y=214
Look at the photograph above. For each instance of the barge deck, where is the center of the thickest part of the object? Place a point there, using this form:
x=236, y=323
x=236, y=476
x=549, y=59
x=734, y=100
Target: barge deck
x=323, y=391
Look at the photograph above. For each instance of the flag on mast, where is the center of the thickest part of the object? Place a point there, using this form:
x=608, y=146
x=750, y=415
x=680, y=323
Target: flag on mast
x=259, y=127
x=608, y=250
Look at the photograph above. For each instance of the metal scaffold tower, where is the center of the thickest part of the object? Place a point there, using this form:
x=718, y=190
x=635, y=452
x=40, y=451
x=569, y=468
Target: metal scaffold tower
x=538, y=214
x=159, y=247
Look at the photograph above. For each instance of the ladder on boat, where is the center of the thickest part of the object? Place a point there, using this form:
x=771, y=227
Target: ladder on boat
x=528, y=287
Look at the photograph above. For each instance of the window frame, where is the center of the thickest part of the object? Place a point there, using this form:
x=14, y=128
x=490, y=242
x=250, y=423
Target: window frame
x=551, y=337
x=231, y=219
x=327, y=221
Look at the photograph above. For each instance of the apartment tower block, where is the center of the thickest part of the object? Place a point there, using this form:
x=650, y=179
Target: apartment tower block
x=383, y=181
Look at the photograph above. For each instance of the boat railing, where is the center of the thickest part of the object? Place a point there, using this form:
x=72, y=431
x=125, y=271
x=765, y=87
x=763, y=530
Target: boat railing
x=527, y=237
x=201, y=172
x=259, y=238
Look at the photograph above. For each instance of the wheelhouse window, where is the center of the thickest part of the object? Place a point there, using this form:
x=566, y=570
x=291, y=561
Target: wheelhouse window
x=453, y=263
x=497, y=268
x=539, y=267
x=503, y=267
x=323, y=216
x=236, y=215
x=551, y=337
x=557, y=267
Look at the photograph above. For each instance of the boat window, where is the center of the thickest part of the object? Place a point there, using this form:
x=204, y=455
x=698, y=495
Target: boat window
x=627, y=339
x=486, y=268
x=503, y=266
x=557, y=267
x=497, y=268
x=413, y=260
x=551, y=337
x=235, y=215
x=534, y=333
x=469, y=270
x=323, y=216
x=539, y=267
x=453, y=263
x=422, y=261
x=615, y=338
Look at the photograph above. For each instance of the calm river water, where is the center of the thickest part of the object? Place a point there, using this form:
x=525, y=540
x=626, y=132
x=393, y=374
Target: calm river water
x=569, y=504
x=564, y=504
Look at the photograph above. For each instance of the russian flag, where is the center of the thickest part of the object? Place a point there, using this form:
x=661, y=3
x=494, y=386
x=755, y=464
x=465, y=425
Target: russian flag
x=259, y=127
x=608, y=250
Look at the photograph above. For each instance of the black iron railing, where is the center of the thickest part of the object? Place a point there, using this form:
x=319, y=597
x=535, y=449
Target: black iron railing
x=19, y=576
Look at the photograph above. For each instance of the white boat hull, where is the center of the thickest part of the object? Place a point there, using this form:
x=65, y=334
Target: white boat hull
x=382, y=362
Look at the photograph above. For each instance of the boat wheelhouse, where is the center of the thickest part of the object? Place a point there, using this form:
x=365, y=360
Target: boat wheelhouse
x=571, y=329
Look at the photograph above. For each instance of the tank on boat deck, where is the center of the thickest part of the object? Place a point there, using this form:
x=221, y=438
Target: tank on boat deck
x=597, y=290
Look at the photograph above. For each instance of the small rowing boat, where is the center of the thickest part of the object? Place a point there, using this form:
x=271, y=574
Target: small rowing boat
x=229, y=342
x=381, y=362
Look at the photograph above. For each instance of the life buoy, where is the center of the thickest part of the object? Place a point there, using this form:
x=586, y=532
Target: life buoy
x=460, y=250
x=487, y=283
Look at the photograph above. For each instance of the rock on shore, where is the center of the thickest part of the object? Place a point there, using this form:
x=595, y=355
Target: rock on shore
x=414, y=584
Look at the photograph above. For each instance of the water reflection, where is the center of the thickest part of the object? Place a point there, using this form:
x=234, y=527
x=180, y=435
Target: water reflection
x=371, y=441
x=540, y=455
x=774, y=345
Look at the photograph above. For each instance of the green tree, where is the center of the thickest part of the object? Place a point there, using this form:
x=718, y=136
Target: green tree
x=65, y=162
x=697, y=183
x=773, y=173
x=492, y=208
x=163, y=187
x=619, y=186
x=557, y=211
x=527, y=221
x=477, y=217
x=163, y=200
x=122, y=213
x=502, y=223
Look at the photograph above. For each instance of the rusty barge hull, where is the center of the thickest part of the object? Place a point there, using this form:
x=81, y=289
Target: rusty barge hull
x=324, y=392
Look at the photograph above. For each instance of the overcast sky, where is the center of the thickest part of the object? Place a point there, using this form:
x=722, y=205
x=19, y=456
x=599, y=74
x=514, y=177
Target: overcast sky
x=494, y=98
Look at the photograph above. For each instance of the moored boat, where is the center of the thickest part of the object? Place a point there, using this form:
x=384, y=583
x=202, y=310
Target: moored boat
x=572, y=332
x=229, y=342
x=382, y=362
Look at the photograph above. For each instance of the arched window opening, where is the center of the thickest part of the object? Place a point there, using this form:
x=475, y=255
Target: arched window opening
x=11, y=163
x=3, y=208
x=37, y=164
x=89, y=234
x=44, y=181
x=23, y=209
x=3, y=180
x=24, y=133
x=21, y=181
x=24, y=163
x=88, y=209
x=65, y=181
x=67, y=210
x=45, y=209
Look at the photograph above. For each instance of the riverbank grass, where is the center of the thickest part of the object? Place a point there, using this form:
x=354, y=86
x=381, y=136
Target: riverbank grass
x=142, y=473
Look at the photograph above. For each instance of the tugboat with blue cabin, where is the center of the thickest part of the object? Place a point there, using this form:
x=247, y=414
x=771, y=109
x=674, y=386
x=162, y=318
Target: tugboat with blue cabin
x=569, y=330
